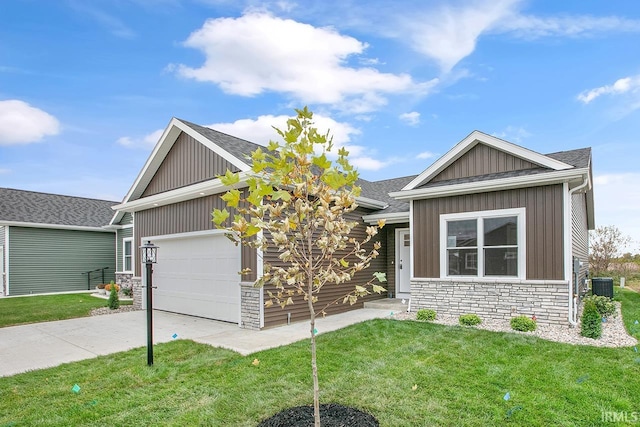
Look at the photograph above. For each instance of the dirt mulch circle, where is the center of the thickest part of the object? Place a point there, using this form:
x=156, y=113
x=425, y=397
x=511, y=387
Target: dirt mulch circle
x=331, y=415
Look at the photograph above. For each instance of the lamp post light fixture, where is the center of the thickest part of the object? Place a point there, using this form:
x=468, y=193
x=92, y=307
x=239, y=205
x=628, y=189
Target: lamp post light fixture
x=149, y=257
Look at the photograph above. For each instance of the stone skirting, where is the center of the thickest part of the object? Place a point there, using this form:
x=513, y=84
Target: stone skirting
x=250, y=306
x=127, y=280
x=547, y=300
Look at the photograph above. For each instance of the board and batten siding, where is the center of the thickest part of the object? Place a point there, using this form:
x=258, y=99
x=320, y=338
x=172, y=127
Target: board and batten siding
x=188, y=162
x=482, y=160
x=544, y=235
x=184, y=217
x=51, y=260
x=121, y=234
x=275, y=315
x=580, y=233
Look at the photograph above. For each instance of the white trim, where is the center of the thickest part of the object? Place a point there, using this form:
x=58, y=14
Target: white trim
x=398, y=233
x=194, y=191
x=132, y=255
x=390, y=218
x=161, y=149
x=6, y=264
x=183, y=235
x=412, y=274
x=54, y=226
x=505, y=280
x=471, y=141
x=366, y=202
x=538, y=179
x=520, y=213
x=2, y=269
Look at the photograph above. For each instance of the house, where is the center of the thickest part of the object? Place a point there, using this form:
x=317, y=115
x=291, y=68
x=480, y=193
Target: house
x=490, y=228
x=54, y=243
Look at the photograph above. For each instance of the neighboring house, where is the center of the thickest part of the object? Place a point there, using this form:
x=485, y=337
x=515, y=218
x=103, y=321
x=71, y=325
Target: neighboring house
x=49, y=242
x=489, y=228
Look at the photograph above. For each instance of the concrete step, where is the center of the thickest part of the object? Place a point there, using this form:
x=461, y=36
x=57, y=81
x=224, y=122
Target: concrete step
x=392, y=304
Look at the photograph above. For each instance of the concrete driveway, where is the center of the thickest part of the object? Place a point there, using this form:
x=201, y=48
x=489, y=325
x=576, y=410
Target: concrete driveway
x=41, y=345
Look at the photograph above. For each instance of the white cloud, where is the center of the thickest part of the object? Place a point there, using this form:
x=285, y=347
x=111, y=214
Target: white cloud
x=146, y=141
x=257, y=53
x=260, y=131
x=20, y=123
x=449, y=34
x=620, y=86
x=513, y=134
x=412, y=118
x=532, y=27
x=425, y=155
x=5, y=171
x=617, y=202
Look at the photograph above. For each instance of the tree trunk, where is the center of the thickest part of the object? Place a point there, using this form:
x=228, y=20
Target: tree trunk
x=314, y=369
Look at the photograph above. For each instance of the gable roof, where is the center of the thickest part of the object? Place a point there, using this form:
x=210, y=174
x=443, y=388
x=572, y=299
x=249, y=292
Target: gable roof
x=33, y=209
x=475, y=138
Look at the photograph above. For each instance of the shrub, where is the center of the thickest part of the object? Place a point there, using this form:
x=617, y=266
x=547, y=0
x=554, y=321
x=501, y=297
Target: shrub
x=114, y=300
x=426, y=314
x=101, y=286
x=605, y=305
x=523, y=324
x=591, y=321
x=470, y=319
x=127, y=291
x=112, y=286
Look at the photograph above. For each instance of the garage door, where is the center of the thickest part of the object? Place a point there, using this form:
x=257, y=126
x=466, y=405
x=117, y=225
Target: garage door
x=198, y=275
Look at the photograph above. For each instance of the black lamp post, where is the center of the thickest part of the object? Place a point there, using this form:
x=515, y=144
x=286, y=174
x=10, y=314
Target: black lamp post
x=149, y=257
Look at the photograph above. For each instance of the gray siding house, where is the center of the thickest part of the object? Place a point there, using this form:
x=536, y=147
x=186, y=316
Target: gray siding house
x=49, y=242
x=490, y=228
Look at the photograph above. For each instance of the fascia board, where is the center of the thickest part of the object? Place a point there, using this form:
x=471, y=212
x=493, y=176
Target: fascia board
x=390, y=218
x=193, y=191
x=473, y=139
x=492, y=185
x=54, y=226
x=366, y=202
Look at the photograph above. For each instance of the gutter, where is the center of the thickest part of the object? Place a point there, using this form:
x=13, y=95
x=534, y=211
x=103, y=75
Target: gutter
x=573, y=296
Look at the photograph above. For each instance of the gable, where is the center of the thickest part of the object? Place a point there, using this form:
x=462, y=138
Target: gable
x=482, y=160
x=187, y=162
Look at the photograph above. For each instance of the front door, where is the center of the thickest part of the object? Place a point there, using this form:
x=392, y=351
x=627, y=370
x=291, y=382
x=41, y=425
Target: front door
x=403, y=263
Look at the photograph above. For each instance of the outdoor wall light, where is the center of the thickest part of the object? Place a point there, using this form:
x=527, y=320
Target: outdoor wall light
x=149, y=257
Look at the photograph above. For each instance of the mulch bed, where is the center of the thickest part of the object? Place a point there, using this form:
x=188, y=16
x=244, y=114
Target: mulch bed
x=331, y=415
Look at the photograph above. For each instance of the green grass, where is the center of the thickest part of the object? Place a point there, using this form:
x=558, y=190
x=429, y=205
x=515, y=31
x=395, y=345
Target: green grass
x=30, y=309
x=630, y=309
x=460, y=374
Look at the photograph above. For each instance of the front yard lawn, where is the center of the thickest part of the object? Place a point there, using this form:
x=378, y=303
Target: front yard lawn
x=630, y=310
x=405, y=373
x=30, y=309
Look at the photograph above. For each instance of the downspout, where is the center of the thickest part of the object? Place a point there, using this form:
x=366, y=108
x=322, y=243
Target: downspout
x=573, y=296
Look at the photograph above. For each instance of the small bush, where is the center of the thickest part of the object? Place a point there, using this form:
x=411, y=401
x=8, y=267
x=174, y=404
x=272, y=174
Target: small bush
x=112, y=285
x=114, y=300
x=127, y=291
x=101, y=286
x=470, y=319
x=523, y=324
x=605, y=305
x=426, y=314
x=591, y=321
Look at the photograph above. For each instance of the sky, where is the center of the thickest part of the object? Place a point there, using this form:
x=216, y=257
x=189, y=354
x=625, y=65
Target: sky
x=86, y=87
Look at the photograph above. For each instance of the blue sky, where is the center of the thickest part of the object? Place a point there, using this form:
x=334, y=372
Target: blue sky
x=87, y=86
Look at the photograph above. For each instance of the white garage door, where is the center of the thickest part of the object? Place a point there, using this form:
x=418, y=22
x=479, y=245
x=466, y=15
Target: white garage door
x=198, y=275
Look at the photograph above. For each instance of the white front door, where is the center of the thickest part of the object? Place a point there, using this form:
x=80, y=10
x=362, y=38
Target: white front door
x=403, y=263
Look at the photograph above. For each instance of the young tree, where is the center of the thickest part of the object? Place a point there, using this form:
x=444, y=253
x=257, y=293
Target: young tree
x=296, y=203
x=605, y=245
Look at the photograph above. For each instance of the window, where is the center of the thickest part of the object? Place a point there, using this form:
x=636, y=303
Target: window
x=127, y=254
x=483, y=244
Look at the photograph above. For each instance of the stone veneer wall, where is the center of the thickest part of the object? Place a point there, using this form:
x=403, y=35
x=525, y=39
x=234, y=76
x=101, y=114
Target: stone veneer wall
x=127, y=280
x=249, y=306
x=547, y=300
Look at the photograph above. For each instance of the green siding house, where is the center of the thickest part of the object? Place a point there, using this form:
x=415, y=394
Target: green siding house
x=52, y=243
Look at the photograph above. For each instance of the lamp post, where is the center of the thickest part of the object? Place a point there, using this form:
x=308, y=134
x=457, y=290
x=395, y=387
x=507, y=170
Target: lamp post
x=149, y=257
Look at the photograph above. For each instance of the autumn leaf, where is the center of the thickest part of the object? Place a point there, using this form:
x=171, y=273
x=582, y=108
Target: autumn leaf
x=219, y=216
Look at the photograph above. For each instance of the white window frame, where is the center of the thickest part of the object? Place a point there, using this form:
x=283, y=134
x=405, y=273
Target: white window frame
x=124, y=255
x=519, y=213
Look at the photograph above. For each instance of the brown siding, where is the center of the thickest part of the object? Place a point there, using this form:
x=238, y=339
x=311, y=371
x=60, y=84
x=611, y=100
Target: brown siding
x=275, y=315
x=188, y=162
x=482, y=160
x=580, y=233
x=544, y=247
x=184, y=217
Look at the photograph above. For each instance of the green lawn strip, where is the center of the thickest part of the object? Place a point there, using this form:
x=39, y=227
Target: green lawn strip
x=630, y=310
x=32, y=309
x=460, y=377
